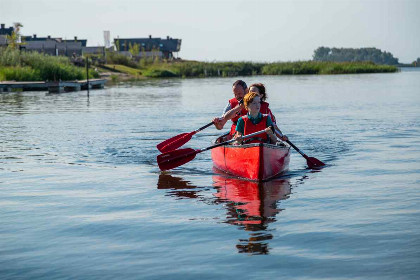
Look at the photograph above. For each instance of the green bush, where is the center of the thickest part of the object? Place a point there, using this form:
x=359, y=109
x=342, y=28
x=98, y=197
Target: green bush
x=116, y=58
x=159, y=73
x=19, y=74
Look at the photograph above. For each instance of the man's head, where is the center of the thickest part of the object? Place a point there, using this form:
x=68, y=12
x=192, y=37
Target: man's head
x=239, y=89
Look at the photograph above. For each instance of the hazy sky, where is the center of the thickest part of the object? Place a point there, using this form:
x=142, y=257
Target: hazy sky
x=231, y=30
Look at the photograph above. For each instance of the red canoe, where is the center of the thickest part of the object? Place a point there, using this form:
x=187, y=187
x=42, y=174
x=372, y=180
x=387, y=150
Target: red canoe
x=257, y=162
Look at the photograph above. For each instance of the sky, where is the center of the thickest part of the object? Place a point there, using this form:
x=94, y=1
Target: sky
x=230, y=30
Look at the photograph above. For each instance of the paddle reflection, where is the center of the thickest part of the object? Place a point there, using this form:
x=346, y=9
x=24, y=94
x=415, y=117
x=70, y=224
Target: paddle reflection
x=177, y=187
x=250, y=205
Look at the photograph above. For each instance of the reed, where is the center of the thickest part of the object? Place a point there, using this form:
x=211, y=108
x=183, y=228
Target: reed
x=32, y=66
x=230, y=69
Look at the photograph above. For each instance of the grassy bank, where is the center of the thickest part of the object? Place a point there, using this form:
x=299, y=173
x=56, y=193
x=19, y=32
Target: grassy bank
x=186, y=69
x=229, y=69
x=33, y=66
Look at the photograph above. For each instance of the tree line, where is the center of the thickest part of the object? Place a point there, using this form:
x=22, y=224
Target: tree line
x=351, y=55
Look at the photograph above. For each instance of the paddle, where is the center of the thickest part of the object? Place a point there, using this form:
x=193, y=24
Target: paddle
x=177, y=158
x=179, y=140
x=311, y=161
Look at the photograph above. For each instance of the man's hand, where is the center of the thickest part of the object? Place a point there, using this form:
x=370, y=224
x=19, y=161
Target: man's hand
x=219, y=123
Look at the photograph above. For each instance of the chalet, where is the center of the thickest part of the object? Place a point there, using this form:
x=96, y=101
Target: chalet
x=150, y=46
x=52, y=47
x=93, y=51
x=4, y=32
x=49, y=38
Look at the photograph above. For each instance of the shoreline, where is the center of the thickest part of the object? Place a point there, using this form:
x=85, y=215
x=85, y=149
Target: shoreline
x=195, y=69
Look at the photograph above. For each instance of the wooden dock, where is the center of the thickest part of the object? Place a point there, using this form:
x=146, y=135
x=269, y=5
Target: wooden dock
x=52, y=87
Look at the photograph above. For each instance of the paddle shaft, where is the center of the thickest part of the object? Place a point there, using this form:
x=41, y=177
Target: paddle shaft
x=230, y=141
x=204, y=127
x=297, y=149
x=311, y=161
x=178, y=140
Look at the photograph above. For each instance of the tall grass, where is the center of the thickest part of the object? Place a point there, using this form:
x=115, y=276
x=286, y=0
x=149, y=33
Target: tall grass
x=315, y=67
x=230, y=69
x=32, y=66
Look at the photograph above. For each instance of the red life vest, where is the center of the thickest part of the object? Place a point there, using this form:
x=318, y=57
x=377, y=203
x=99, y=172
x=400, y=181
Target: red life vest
x=233, y=103
x=251, y=128
x=265, y=110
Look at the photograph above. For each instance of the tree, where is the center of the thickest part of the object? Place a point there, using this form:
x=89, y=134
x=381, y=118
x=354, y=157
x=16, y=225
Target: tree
x=349, y=54
x=134, y=49
x=14, y=39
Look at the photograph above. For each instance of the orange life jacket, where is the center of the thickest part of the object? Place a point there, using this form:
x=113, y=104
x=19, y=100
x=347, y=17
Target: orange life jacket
x=251, y=128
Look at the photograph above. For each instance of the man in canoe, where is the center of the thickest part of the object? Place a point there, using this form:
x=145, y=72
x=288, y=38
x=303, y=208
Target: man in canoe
x=254, y=121
x=233, y=109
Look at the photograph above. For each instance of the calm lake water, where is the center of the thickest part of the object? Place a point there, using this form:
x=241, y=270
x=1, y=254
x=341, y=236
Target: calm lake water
x=81, y=196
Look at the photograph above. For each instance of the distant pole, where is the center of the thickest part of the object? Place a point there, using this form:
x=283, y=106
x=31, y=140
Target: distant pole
x=87, y=74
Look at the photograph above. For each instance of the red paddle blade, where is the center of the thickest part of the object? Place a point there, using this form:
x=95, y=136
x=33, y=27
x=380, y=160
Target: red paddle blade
x=175, y=158
x=174, y=142
x=314, y=162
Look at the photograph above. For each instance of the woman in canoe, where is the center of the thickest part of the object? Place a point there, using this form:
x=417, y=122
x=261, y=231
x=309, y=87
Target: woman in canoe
x=260, y=89
x=254, y=121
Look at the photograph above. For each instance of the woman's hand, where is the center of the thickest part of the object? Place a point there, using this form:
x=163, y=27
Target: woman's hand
x=269, y=131
x=238, y=139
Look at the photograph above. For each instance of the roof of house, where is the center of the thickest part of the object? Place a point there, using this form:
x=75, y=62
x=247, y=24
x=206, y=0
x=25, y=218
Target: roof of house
x=148, y=44
x=56, y=39
x=6, y=31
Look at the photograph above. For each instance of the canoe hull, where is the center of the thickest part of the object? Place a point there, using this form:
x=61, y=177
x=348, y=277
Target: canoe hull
x=257, y=162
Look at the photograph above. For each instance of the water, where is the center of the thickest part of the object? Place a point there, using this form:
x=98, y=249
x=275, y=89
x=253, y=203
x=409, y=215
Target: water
x=81, y=196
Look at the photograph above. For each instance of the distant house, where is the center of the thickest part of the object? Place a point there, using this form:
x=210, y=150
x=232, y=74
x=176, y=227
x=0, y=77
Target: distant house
x=39, y=39
x=57, y=39
x=3, y=40
x=54, y=48
x=5, y=31
x=83, y=41
x=93, y=50
x=150, y=46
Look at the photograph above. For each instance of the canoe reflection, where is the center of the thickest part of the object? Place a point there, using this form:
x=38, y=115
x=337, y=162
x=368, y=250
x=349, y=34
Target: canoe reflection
x=252, y=206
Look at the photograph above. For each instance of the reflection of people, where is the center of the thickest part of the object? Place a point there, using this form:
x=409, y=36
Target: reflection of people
x=252, y=206
x=254, y=121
